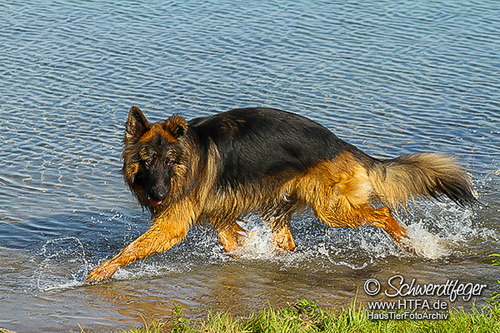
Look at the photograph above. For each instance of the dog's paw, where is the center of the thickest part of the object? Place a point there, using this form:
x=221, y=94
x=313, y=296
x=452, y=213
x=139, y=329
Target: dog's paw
x=102, y=272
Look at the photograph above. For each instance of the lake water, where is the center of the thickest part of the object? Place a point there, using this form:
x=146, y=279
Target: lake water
x=392, y=77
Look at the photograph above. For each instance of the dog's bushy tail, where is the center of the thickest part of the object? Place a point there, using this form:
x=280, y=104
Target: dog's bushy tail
x=426, y=175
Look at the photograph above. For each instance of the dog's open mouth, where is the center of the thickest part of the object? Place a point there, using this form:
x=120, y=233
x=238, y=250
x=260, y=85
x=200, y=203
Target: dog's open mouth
x=154, y=202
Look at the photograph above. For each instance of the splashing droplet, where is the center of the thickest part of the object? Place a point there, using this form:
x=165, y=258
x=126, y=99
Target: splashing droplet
x=426, y=244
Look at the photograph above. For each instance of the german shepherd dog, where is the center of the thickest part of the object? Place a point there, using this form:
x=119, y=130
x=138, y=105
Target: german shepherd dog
x=220, y=168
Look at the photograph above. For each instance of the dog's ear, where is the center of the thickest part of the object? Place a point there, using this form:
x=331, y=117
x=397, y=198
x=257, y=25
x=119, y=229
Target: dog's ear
x=136, y=126
x=177, y=126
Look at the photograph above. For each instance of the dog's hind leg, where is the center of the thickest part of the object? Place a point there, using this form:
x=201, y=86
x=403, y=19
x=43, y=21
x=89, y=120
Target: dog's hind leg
x=340, y=191
x=386, y=221
x=278, y=215
x=365, y=215
x=282, y=236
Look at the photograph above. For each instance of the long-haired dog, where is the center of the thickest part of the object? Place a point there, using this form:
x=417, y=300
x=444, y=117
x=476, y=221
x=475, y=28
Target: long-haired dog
x=220, y=168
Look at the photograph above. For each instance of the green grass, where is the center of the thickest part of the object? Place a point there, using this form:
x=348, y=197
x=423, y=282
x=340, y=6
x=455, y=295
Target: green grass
x=304, y=316
x=496, y=294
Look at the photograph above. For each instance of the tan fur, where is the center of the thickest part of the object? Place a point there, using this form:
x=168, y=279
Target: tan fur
x=414, y=175
x=340, y=191
x=166, y=231
x=231, y=237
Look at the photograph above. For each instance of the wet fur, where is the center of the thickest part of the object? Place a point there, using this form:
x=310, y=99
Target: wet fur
x=220, y=168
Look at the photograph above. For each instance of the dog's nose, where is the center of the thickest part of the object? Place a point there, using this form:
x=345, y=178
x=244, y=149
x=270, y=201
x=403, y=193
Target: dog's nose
x=159, y=193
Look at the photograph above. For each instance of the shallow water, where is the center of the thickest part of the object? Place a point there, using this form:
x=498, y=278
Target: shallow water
x=390, y=77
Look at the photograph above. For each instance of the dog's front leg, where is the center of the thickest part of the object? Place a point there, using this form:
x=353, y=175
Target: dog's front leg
x=163, y=234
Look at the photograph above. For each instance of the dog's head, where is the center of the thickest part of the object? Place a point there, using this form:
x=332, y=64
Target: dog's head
x=152, y=156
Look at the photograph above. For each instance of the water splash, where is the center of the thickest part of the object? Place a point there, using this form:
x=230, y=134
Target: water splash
x=63, y=266
x=319, y=247
x=445, y=229
x=258, y=244
x=441, y=230
x=426, y=244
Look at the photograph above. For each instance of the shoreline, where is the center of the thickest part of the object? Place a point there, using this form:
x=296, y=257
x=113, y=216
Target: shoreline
x=305, y=316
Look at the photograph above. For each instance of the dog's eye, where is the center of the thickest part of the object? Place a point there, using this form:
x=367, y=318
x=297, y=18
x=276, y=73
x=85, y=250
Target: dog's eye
x=150, y=161
x=170, y=163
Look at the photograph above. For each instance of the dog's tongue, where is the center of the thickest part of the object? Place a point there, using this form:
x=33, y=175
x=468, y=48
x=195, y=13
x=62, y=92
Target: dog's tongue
x=154, y=202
